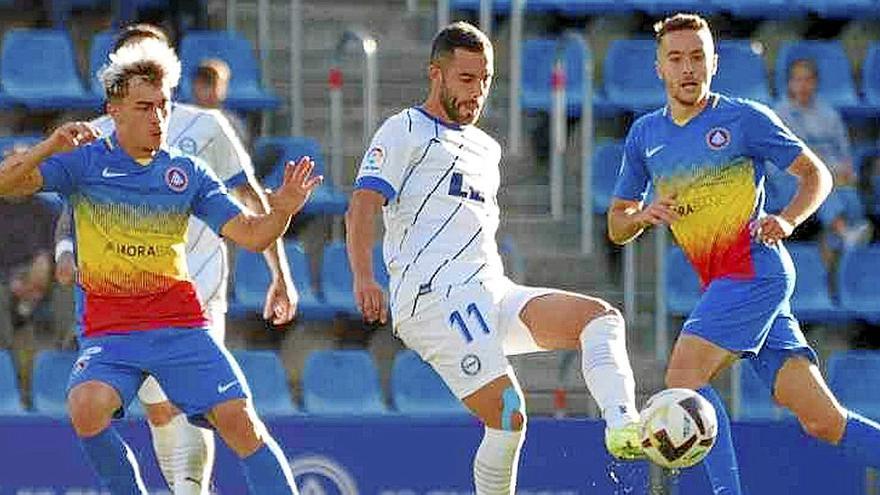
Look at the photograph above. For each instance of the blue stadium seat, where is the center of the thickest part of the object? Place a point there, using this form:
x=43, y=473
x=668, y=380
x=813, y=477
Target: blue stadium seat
x=49, y=381
x=342, y=383
x=326, y=199
x=246, y=90
x=631, y=83
x=607, y=157
x=773, y=9
x=10, y=399
x=780, y=187
x=99, y=50
x=498, y=6
x=538, y=58
x=871, y=74
x=857, y=282
x=9, y=143
x=310, y=307
x=267, y=378
x=842, y=9
x=754, y=398
x=854, y=377
x=682, y=283
x=590, y=7
x=336, y=278
x=741, y=72
x=60, y=10
x=812, y=301
x=836, y=85
x=54, y=82
x=664, y=7
x=416, y=389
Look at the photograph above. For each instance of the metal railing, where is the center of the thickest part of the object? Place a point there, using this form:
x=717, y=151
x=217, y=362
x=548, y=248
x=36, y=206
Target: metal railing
x=514, y=109
x=296, y=66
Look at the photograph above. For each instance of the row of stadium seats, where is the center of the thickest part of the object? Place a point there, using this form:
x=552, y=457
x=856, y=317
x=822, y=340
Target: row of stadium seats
x=334, y=383
x=812, y=301
x=630, y=84
x=738, y=8
x=55, y=83
x=853, y=376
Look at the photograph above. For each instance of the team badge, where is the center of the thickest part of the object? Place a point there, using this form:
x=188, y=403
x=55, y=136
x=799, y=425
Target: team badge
x=718, y=138
x=471, y=365
x=176, y=179
x=375, y=159
x=187, y=145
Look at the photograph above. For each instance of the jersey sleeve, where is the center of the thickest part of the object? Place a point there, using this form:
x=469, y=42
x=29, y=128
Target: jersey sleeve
x=61, y=172
x=768, y=138
x=212, y=203
x=632, y=176
x=226, y=154
x=383, y=165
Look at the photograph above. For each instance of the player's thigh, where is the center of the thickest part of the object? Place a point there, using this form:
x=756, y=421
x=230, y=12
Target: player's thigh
x=553, y=319
x=196, y=373
x=695, y=361
x=115, y=361
x=499, y=404
x=801, y=388
x=459, y=337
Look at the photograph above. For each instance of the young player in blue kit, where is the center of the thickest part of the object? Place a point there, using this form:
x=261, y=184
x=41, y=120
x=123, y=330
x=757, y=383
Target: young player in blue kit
x=705, y=155
x=138, y=311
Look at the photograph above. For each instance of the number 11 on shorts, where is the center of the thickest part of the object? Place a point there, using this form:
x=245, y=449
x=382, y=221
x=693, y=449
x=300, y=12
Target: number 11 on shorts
x=473, y=313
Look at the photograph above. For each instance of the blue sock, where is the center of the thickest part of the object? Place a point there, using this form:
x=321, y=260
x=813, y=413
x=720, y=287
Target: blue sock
x=721, y=465
x=114, y=463
x=861, y=439
x=266, y=471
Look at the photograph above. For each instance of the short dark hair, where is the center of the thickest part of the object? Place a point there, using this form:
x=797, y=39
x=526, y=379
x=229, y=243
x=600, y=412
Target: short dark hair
x=459, y=35
x=212, y=71
x=807, y=63
x=139, y=30
x=679, y=22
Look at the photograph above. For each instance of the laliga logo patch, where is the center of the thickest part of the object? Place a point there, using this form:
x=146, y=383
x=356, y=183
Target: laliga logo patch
x=375, y=158
x=718, y=138
x=316, y=475
x=176, y=179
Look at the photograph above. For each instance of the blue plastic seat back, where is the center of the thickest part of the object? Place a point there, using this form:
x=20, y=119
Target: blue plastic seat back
x=741, y=72
x=342, y=382
x=631, y=81
x=232, y=48
x=251, y=280
x=417, y=389
x=854, y=377
x=538, y=58
x=300, y=268
x=836, y=86
x=49, y=381
x=607, y=158
x=267, y=378
x=871, y=74
x=682, y=283
x=99, y=51
x=811, y=288
x=857, y=280
x=9, y=144
x=38, y=62
x=10, y=398
x=291, y=149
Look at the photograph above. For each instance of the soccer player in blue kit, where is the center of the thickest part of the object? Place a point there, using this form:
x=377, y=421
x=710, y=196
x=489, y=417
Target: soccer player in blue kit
x=138, y=310
x=705, y=155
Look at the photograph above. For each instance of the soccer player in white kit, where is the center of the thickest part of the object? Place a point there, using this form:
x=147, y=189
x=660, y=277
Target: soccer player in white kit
x=184, y=451
x=435, y=177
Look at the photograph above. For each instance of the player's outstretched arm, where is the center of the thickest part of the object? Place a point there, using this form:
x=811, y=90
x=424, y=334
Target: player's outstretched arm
x=814, y=185
x=627, y=219
x=19, y=173
x=258, y=231
x=359, y=238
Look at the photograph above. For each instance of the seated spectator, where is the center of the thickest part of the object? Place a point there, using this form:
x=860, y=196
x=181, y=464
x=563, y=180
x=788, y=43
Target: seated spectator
x=843, y=214
x=209, y=88
x=869, y=183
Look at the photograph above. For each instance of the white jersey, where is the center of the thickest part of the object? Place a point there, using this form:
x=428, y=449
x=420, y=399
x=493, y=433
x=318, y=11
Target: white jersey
x=441, y=215
x=208, y=135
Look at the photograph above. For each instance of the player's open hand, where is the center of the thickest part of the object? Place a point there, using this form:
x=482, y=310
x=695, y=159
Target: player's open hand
x=298, y=185
x=661, y=211
x=72, y=134
x=370, y=300
x=281, y=301
x=771, y=229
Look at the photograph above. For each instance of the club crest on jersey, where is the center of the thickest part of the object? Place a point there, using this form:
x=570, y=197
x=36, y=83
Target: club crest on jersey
x=718, y=138
x=375, y=159
x=471, y=365
x=176, y=179
x=187, y=145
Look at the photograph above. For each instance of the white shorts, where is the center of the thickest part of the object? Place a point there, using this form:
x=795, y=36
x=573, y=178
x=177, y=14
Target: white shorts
x=150, y=391
x=466, y=333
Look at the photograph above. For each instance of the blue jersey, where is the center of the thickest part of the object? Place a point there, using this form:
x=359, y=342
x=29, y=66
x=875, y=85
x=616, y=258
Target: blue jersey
x=715, y=164
x=130, y=222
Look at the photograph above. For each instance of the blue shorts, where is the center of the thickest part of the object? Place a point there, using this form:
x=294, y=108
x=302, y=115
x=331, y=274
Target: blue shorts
x=752, y=318
x=195, y=373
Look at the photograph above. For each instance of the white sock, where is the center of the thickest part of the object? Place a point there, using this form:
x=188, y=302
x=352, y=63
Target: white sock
x=185, y=454
x=606, y=369
x=496, y=462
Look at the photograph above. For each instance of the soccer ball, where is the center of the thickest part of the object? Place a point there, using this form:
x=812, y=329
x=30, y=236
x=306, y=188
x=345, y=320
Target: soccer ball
x=678, y=428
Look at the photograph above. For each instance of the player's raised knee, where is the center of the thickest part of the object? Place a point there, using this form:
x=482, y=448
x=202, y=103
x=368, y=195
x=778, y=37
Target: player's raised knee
x=91, y=405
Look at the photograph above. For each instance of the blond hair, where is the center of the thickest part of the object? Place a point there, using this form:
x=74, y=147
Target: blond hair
x=148, y=59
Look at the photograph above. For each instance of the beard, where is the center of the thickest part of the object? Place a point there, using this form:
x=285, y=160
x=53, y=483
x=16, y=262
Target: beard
x=451, y=106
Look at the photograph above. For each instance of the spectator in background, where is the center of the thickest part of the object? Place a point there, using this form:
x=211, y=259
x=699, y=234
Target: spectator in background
x=819, y=125
x=209, y=88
